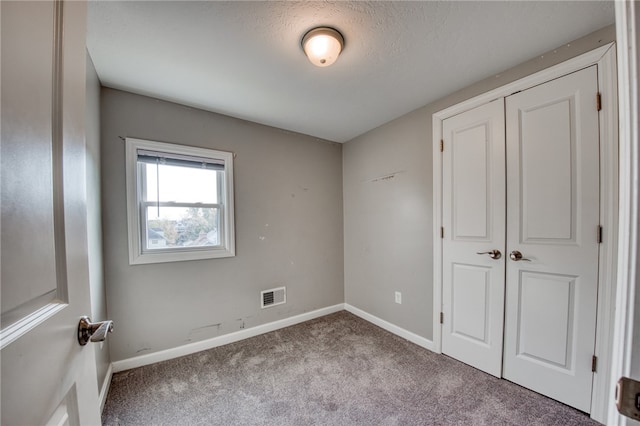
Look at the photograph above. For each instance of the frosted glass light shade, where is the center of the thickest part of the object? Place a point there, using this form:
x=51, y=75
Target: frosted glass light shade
x=322, y=46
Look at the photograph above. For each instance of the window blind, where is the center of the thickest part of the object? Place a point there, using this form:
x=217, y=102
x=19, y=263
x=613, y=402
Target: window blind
x=151, y=157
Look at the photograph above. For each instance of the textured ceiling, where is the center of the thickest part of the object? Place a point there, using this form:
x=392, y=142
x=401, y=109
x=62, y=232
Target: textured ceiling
x=244, y=59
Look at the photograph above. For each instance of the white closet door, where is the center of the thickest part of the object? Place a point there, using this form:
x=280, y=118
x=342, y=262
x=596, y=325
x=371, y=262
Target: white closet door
x=473, y=219
x=553, y=220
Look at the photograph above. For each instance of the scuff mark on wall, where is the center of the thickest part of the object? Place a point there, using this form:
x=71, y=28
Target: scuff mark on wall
x=386, y=177
x=207, y=326
x=242, y=321
x=304, y=189
x=204, y=328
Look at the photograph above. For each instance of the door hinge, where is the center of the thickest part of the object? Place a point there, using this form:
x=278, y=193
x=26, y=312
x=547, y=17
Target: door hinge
x=441, y=317
x=599, y=101
x=441, y=145
x=599, y=234
x=442, y=232
x=594, y=363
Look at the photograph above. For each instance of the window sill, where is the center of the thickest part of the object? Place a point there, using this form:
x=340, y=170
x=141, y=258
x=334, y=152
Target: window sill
x=175, y=256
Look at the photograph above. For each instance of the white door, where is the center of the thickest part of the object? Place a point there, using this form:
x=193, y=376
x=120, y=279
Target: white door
x=473, y=219
x=553, y=221
x=47, y=377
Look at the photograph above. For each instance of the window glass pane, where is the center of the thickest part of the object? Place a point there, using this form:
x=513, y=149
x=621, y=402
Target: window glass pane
x=175, y=227
x=181, y=184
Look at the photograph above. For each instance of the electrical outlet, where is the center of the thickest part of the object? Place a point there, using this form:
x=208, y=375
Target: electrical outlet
x=398, y=297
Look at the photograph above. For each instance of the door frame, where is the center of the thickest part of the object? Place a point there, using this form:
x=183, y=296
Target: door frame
x=627, y=317
x=605, y=58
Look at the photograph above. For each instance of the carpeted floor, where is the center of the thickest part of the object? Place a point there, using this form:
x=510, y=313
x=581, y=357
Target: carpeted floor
x=334, y=370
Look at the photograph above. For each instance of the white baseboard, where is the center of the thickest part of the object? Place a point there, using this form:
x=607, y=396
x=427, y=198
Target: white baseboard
x=104, y=391
x=405, y=334
x=139, y=361
x=167, y=354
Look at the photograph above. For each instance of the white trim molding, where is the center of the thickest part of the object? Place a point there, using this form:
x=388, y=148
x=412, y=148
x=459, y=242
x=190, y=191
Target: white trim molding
x=398, y=331
x=147, y=359
x=605, y=58
x=608, y=258
x=624, y=336
x=106, y=384
x=167, y=354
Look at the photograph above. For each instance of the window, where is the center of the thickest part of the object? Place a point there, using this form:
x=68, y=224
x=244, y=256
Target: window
x=179, y=202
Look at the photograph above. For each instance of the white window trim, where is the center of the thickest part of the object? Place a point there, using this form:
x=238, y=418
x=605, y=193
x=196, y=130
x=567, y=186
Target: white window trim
x=136, y=254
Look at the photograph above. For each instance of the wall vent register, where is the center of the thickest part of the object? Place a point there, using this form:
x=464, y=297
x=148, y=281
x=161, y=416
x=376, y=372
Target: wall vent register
x=273, y=297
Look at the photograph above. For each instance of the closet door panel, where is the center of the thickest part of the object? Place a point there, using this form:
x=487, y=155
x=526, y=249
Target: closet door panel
x=552, y=224
x=473, y=219
x=547, y=141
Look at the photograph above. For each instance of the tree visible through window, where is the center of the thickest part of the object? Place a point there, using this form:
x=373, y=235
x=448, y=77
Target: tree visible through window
x=183, y=201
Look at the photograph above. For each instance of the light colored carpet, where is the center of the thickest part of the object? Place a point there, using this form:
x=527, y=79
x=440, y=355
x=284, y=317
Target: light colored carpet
x=334, y=370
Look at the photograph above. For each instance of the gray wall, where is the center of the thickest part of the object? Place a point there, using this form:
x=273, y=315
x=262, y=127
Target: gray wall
x=94, y=216
x=388, y=222
x=288, y=208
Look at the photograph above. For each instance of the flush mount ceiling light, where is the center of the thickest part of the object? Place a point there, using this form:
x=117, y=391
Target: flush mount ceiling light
x=322, y=46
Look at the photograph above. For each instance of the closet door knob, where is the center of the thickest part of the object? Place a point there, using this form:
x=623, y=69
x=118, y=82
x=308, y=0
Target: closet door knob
x=516, y=256
x=494, y=254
